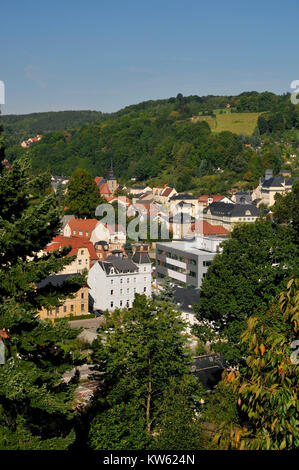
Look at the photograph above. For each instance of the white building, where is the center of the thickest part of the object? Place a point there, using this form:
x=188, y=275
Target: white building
x=114, y=282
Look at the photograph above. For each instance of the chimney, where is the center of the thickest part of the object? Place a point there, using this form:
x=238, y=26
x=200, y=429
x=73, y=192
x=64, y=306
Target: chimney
x=268, y=174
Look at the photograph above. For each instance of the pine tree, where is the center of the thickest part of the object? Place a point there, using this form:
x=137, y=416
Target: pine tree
x=36, y=407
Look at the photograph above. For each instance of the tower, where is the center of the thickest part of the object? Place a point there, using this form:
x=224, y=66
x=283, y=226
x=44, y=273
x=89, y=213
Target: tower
x=111, y=180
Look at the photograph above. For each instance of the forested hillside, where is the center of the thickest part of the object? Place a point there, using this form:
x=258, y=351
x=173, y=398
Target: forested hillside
x=166, y=141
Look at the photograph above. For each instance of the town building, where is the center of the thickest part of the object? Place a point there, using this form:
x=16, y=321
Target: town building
x=228, y=215
x=270, y=186
x=83, y=249
x=114, y=282
x=78, y=305
x=186, y=261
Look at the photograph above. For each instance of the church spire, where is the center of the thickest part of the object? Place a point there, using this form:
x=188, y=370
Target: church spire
x=111, y=172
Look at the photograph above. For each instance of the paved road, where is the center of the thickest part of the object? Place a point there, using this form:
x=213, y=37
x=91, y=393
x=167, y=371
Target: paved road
x=87, y=323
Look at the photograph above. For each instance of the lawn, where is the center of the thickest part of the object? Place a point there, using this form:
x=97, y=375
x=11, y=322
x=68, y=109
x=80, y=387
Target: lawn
x=238, y=123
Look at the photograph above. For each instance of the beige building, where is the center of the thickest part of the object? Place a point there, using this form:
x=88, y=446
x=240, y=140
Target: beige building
x=228, y=215
x=71, y=307
x=270, y=186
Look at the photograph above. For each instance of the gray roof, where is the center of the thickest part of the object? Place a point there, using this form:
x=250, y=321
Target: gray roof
x=186, y=297
x=231, y=210
x=178, y=197
x=121, y=265
x=55, y=280
x=275, y=181
x=141, y=258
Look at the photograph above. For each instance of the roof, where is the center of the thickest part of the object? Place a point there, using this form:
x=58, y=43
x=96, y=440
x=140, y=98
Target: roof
x=140, y=257
x=167, y=191
x=55, y=280
x=186, y=298
x=232, y=210
x=104, y=189
x=205, y=197
x=274, y=182
x=98, y=179
x=75, y=242
x=182, y=196
x=204, y=227
x=83, y=225
x=121, y=265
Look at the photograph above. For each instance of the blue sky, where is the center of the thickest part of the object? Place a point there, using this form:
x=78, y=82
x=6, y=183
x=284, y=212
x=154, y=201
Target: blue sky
x=99, y=55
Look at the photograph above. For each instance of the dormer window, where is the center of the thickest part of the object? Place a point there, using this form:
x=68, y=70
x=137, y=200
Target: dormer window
x=112, y=271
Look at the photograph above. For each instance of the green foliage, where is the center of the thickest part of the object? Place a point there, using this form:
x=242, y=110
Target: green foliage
x=34, y=401
x=138, y=353
x=268, y=388
x=244, y=279
x=82, y=195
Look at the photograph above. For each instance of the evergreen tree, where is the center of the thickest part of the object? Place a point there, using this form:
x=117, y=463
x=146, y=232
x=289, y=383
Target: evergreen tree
x=36, y=407
x=166, y=293
x=82, y=196
x=138, y=353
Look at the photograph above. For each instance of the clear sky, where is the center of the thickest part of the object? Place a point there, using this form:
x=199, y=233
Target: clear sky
x=104, y=55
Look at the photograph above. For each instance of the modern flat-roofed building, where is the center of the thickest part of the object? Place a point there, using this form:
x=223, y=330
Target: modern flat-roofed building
x=185, y=261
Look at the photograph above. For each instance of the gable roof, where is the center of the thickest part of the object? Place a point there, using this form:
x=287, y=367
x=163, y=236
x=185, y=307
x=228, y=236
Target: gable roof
x=274, y=182
x=205, y=228
x=167, y=191
x=83, y=225
x=121, y=265
x=75, y=242
x=231, y=210
x=140, y=257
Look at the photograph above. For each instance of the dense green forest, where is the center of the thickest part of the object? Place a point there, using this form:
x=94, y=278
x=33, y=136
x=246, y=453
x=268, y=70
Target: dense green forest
x=157, y=142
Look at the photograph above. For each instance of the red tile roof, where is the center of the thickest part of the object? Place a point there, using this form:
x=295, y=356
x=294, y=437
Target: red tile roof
x=205, y=228
x=166, y=191
x=75, y=242
x=82, y=225
x=104, y=189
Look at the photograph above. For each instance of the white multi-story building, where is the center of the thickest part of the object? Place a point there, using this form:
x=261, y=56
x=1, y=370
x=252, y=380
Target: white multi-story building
x=186, y=262
x=114, y=282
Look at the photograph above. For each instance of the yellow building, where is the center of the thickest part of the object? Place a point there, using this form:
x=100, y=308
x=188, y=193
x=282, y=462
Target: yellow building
x=72, y=306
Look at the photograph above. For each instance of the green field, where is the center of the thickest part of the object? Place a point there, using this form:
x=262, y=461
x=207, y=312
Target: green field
x=238, y=123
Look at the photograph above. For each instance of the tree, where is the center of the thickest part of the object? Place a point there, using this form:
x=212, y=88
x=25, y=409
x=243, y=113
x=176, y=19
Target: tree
x=138, y=352
x=268, y=388
x=286, y=208
x=243, y=279
x=166, y=293
x=82, y=196
x=36, y=407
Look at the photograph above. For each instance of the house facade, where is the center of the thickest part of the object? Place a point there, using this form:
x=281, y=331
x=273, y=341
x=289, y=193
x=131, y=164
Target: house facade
x=114, y=282
x=186, y=261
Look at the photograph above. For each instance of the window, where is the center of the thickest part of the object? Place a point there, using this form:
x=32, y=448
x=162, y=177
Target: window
x=80, y=261
x=121, y=303
x=80, y=233
x=121, y=291
x=144, y=289
x=82, y=307
x=72, y=308
x=128, y=303
x=87, y=233
x=111, y=281
x=64, y=309
x=144, y=279
x=128, y=290
x=135, y=280
x=144, y=269
x=134, y=290
x=111, y=304
x=128, y=280
x=207, y=263
x=75, y=232
x=111, y=292
x=82, y=295
x=82, y=252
